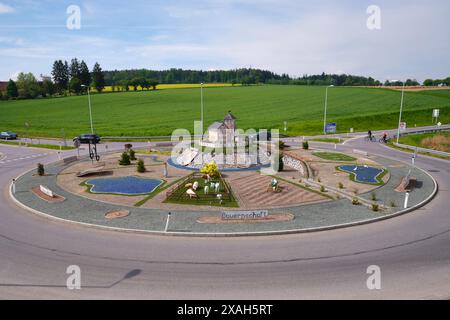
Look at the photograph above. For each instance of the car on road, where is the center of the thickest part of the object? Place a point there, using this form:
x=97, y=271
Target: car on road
x=87, y=138
x=8, y=135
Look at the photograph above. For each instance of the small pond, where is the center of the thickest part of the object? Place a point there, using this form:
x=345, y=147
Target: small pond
x=363, y=174
x=124, y=185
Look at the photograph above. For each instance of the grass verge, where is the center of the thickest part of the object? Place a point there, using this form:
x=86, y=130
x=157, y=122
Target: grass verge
x=41, y=146
x=334, y=156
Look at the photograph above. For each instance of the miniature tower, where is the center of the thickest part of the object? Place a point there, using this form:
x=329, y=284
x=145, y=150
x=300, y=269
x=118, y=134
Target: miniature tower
x=230, y=121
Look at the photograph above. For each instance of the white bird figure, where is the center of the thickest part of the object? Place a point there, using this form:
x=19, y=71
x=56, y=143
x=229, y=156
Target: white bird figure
x=195, y=186
x=356, y=168
x=206, y=189
x=217, y=187
x=191, y=193
x=366, y=166
x=213, y=185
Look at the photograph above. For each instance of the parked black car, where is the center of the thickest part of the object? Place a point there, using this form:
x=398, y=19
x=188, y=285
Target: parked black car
x=87, y=138
x=8, y=135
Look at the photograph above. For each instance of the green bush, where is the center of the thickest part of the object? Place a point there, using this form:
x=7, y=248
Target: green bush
x=141, y=166
x=322, y=189
x=375, y=207
x=125, y=159
x=305, y=145
x=393, y=205
x=355, y=201
x=341, y=185
x=40, y=169
x=374, y=196
x=132, y=154
x=280, y=163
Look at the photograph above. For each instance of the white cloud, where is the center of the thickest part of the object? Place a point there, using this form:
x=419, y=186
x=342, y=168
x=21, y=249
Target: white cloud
x=5, y=8
x=12, y=41
x=288, y=37
x=159, y=37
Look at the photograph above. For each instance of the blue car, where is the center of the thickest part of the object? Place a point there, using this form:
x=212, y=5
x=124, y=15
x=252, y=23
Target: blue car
x=8, y=135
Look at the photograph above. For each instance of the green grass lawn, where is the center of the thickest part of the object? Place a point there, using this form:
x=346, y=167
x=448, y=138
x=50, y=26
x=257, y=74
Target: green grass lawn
x=327, y=140
x=160, y=112
x=334, y=156
x=33, y=145
x=416, y=140
x=179, y=195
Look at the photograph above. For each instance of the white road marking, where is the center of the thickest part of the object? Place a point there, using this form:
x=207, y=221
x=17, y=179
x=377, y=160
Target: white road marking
x=352, y=139
x=23, y=158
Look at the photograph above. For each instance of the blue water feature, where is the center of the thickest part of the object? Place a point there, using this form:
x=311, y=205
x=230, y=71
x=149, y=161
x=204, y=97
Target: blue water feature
x=363, y=174
x=124, y=185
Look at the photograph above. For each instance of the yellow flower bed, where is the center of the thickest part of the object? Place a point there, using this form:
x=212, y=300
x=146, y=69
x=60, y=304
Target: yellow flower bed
x=175, y=86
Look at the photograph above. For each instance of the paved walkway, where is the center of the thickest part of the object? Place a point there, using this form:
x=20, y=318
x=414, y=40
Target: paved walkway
x=244, y=186
x=324, y=214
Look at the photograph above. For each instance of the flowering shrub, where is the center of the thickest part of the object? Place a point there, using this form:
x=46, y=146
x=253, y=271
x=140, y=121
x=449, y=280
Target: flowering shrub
x=211, y=169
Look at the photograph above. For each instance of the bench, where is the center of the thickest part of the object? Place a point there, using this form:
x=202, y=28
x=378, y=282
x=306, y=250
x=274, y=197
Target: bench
x=92, y=171
x=70, y=159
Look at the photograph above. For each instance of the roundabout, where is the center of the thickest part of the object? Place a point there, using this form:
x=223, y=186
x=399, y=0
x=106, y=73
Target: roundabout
x=368, y=191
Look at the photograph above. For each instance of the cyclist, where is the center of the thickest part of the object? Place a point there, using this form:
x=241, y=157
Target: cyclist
x=385, y=137
x=370, y=135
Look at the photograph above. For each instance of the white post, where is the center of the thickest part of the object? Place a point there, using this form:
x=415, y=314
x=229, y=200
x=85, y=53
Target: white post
x=201, y=105
x=14, y=186
x=325, y=112
x=90, y=109
x=401, y=110
x=406, y=200
x=167, y=222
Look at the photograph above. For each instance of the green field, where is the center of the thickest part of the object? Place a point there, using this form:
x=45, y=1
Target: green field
x=159, y=112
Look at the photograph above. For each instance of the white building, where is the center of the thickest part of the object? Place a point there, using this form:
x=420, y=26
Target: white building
x=223, y=134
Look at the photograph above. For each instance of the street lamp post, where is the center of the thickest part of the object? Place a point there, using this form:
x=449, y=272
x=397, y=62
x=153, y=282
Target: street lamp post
x=325, y=112
x=401, y=111
x=201, y=104
x=90, y=108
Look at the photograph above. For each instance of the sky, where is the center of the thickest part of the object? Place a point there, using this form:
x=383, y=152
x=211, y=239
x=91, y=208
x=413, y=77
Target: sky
x=407, y=39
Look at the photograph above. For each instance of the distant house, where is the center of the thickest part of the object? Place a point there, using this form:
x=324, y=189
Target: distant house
x=3, y=85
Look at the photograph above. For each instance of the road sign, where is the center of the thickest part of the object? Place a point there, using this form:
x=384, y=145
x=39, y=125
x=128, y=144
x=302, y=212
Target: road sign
x=402, y=126
x=331, y=127
x=436, y=113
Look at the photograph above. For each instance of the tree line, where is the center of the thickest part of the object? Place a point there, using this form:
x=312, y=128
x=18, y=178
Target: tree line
x=73, y=78
x=437, y=82
x=66, y=79
x=180, y=76
x=339, y=80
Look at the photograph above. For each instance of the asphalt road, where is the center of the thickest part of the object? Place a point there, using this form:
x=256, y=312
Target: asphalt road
x=413, y=252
